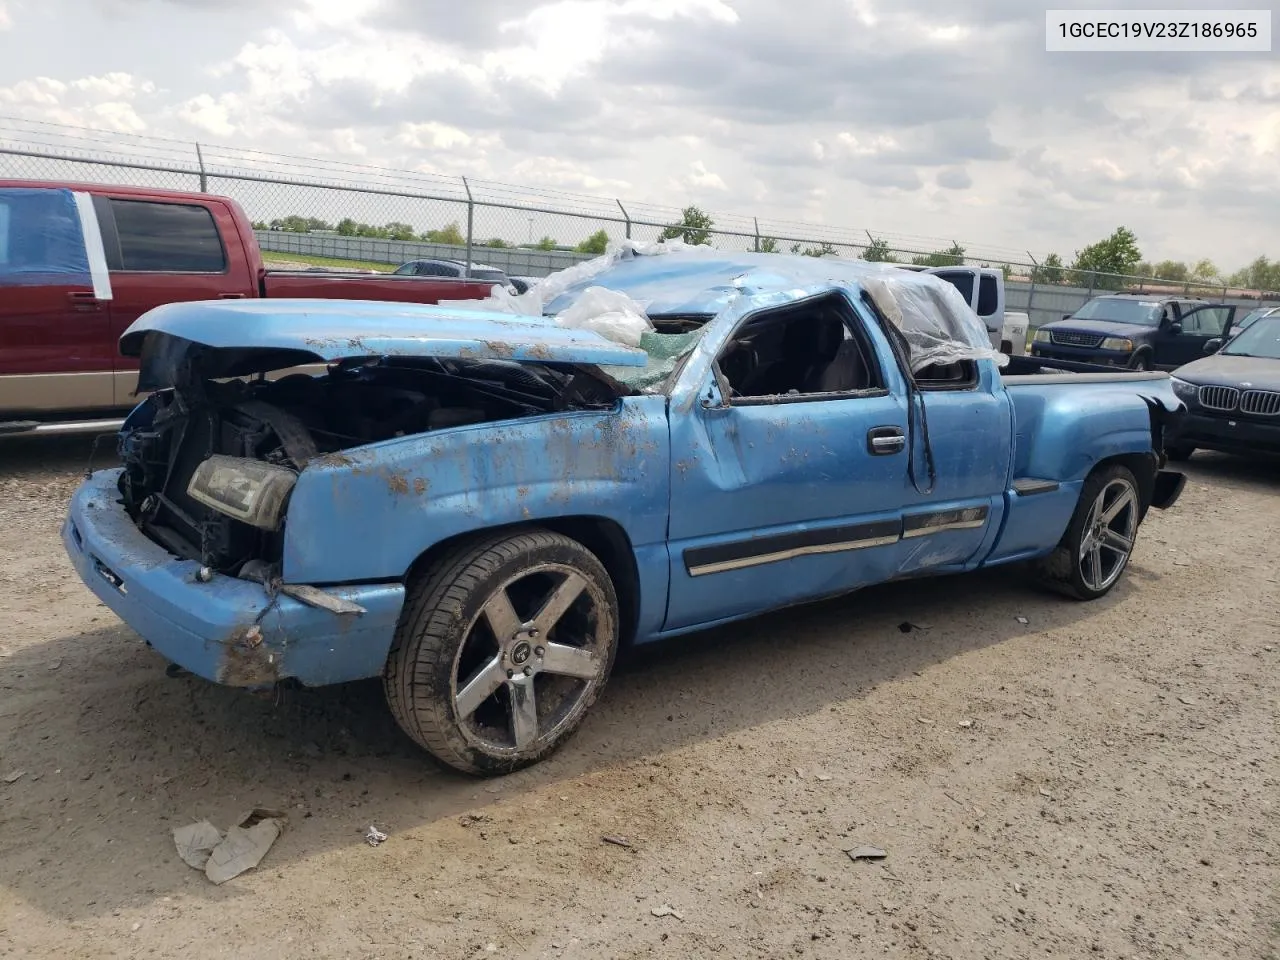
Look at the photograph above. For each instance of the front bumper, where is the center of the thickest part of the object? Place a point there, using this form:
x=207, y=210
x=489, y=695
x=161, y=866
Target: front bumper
x=1229, y=434
x=1057, y=351
x=226, y=630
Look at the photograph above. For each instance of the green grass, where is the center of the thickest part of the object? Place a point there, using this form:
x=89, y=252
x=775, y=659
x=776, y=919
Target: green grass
x=273, y=256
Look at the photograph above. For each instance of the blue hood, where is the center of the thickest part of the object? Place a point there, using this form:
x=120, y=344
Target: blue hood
x=231, y=338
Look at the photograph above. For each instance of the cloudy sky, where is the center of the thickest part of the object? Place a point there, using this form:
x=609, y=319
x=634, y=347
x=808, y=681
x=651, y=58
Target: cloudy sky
x=909, y=117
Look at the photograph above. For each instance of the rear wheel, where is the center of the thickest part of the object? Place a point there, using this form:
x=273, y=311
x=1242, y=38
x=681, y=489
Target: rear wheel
x=501, y=649
x=1099, y=540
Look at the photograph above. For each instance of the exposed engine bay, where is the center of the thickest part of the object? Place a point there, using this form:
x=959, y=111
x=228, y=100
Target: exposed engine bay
x=227, y=512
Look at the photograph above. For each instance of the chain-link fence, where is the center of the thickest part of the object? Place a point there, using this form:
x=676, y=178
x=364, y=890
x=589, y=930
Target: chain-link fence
x=330, y=213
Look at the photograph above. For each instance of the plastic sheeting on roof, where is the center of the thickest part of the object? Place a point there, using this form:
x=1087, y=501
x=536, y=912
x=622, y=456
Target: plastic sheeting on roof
x=610, y=312
x=617, y=292
x=42, y=240
x=934, y=318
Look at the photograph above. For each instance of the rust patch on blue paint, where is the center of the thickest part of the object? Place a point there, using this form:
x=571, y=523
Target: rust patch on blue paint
x=247, y=661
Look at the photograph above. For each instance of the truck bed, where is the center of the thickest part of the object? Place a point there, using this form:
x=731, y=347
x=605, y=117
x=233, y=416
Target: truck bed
x=299, y=284
x=1023, y=367
x=1060, y=376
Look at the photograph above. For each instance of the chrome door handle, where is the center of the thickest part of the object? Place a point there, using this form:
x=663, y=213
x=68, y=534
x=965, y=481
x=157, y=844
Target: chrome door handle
x=882, y=441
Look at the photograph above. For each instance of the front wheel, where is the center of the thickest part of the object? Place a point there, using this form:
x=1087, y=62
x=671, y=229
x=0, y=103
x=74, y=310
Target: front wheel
x=1179, y=452
x=501, y=649
x=1099, y=540
x=1142, y=363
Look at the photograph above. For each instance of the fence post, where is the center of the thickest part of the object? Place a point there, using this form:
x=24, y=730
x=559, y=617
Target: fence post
x=1093, y=281
x=756, y=221
x=471, y=212
x=1031, y=294
x=204, y=179
x=625, y=216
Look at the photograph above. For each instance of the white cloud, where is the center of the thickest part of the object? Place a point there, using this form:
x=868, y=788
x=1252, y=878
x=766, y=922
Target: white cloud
x=437, y=136
x=952, y=33
x=563, y=174
x=556, y=42
x=700, y=178
x=37, y=92
x=316, y=15
x=108, y=101
x=118, y=116
x=209, y=115
x=113, y=86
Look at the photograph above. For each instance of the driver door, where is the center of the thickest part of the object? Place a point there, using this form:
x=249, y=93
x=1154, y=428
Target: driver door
x=787, y=470
x=1186, y=340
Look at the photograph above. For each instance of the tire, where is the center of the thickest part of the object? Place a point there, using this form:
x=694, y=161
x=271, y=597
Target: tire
x=1179, y=453
x=1142, y=363
x=488, y=699
x=1070, y=568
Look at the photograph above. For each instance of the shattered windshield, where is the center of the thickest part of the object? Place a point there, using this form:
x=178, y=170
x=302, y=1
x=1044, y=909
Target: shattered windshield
x=665, y=352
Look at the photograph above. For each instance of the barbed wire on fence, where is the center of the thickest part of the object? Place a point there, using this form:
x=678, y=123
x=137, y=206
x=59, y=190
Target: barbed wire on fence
x=382, y=214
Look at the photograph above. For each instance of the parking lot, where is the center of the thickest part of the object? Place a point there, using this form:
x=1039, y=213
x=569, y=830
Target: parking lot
x=1047, y=778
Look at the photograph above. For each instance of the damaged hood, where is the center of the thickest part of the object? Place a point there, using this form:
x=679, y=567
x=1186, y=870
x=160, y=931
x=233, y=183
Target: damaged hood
x=233, y=338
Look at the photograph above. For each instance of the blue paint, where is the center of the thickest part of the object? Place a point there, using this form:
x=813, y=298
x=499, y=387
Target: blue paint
x=327, y=330
x=193, y=623
x=702, y=491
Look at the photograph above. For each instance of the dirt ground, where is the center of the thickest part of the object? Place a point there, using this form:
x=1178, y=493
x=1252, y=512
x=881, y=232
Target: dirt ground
x=1048, y=778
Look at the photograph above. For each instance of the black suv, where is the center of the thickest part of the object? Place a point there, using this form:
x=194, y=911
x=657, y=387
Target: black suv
x=1137, y=331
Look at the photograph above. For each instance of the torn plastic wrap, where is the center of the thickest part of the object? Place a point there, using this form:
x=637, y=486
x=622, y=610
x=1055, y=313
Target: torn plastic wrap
x=611, y=314
x=934, y=318
x=678, y=278
x=50, y=238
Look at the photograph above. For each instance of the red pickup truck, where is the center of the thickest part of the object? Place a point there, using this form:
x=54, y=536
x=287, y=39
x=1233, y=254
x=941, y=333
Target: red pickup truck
x=80, y=262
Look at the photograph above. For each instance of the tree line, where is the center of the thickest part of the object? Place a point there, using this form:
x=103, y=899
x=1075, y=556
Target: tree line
x=1111, y=258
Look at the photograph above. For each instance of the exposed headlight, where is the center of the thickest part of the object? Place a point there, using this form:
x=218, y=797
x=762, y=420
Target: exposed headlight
x=1183, y=390
x=1043, y=336
x=249, y=490
x=1118, y=343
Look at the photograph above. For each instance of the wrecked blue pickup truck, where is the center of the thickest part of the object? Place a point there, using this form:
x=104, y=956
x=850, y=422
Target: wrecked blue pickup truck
x=480, y=503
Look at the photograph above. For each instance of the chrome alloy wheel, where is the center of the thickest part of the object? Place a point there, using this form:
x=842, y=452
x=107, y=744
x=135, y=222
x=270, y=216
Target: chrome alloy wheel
x=1108, y=535
x=531, y=660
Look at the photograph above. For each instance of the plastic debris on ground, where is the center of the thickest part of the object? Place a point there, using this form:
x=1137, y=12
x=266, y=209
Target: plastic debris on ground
x=373, y=836
x=866, y=853
x=224, y=856
x=196, y=842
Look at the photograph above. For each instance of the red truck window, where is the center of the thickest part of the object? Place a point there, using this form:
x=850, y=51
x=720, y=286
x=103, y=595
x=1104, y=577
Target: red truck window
x=167, y=238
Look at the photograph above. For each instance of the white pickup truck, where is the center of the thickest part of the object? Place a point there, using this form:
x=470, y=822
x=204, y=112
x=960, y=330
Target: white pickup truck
x=983, y=288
